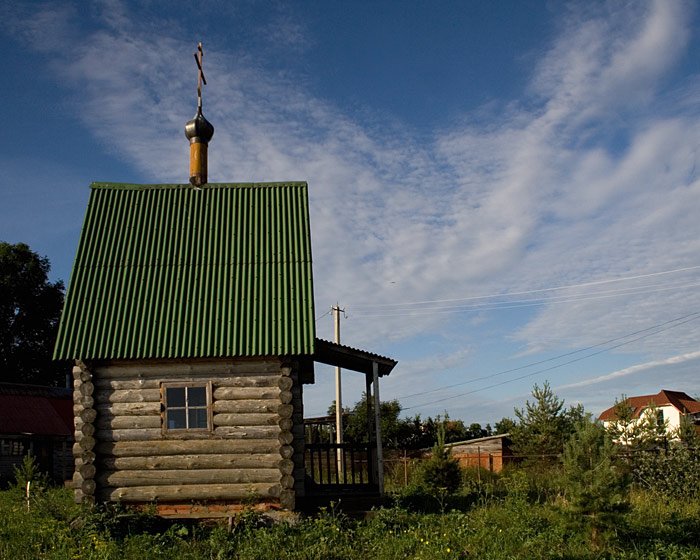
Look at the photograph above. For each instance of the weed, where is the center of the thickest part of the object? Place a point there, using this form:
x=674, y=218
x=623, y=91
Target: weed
x=518, y=526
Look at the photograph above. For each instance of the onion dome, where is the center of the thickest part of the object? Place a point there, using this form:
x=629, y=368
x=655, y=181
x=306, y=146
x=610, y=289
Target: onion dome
x=199, y=129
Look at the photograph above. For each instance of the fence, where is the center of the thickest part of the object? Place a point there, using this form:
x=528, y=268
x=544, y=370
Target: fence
x=355, y=459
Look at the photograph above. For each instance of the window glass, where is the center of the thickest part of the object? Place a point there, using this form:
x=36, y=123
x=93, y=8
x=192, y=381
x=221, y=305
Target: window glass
x=176, y=396
x=660, y=417
x=176, y=419
x=197, y=396
x=197, y=417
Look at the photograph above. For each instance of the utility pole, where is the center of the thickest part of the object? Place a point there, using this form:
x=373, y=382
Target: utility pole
x=338, y=399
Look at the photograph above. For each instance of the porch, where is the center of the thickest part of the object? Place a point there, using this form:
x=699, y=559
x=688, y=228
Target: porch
x=348, y=472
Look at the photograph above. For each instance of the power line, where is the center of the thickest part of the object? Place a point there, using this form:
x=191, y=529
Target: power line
x=515, y=304
x=693, y=316
x=524, y=292
x=490, y=376
x=322, y=316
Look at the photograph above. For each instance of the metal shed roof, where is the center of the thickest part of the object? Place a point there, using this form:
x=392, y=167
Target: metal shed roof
x=335, y=354
x=28, y=409
x=169, y=271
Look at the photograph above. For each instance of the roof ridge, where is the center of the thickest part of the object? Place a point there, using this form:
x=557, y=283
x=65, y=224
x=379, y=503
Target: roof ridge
x=188, y=186
x=681, y=394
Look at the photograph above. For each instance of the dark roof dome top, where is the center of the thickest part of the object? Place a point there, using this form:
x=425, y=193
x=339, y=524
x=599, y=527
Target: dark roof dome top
x=199, y=129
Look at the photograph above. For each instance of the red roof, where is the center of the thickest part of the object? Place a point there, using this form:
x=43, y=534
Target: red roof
x=29, y=409
x=681, y=401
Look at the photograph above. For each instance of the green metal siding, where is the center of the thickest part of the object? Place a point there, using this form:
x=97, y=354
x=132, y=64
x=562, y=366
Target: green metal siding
x=168, y=271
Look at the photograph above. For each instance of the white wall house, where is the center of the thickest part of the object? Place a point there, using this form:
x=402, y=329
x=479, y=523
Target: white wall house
x=670, y=407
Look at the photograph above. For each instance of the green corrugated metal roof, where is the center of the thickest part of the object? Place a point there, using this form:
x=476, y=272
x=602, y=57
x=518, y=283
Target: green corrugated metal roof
x=167, y=271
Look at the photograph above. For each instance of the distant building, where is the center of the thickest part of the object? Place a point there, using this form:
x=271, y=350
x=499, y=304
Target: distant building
x=491, y=452
x=670, y=407
x=36, y=420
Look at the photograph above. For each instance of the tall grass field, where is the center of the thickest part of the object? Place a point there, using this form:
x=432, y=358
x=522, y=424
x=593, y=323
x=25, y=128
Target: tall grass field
x=475, y=523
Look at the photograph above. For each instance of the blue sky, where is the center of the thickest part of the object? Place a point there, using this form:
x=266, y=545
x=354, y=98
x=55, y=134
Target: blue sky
x=502, y=193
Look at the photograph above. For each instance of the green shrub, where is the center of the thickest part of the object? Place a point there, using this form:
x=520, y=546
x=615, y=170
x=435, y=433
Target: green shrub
x=674, y=472
x=517, y=486
x=481, y=487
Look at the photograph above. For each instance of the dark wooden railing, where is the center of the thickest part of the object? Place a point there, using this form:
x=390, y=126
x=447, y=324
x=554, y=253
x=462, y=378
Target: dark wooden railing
x=322, y=466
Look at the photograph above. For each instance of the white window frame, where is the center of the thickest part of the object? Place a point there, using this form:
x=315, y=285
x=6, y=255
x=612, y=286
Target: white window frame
x=185, y=385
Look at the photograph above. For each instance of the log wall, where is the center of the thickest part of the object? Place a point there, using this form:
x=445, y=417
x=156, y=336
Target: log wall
x=83, y=448
x=299, y=440
x=251, y=453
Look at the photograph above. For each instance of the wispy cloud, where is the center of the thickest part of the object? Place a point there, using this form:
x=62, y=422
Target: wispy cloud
x=592, y=174
x=674, y=360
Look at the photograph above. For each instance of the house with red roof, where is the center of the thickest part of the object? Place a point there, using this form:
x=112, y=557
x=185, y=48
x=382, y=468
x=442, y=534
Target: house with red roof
x=36, y=420
x=671, y=406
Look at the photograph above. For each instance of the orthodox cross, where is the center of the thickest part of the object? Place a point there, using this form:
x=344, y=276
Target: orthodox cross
x=201, y=79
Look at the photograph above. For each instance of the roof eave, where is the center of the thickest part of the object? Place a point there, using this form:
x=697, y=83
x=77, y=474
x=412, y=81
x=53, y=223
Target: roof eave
x=334, y=354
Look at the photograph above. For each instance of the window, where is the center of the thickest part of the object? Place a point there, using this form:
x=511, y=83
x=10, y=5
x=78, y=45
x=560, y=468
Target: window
x=11, y=447
x=187, y=406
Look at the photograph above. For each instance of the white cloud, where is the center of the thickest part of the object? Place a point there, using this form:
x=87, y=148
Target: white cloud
x=608, y=58
x=592, y=175
x=673, y=360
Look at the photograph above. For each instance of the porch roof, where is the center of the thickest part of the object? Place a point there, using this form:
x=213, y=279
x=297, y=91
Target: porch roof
x=334, y=354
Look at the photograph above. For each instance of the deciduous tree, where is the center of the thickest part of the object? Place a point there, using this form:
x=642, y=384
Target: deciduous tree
x=355, y=425
x=504, y=426
x=30, y=308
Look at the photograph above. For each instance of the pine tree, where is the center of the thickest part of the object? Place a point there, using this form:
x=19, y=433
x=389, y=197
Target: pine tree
x=623, y=427
x=543, y=426
x=441, y=474
x=597, y=484
x=652, y=429
x=646, y=431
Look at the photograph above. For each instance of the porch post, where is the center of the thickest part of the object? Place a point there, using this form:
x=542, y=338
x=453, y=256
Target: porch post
x=378, y=428
x=371, y=464
x=340, y=454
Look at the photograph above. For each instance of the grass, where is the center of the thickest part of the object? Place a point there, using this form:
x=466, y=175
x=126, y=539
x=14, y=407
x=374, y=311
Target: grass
x=501, y=527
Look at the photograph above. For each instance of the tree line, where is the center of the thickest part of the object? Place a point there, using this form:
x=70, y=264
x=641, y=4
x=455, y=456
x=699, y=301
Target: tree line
x=413, y=432
x=540, y=428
